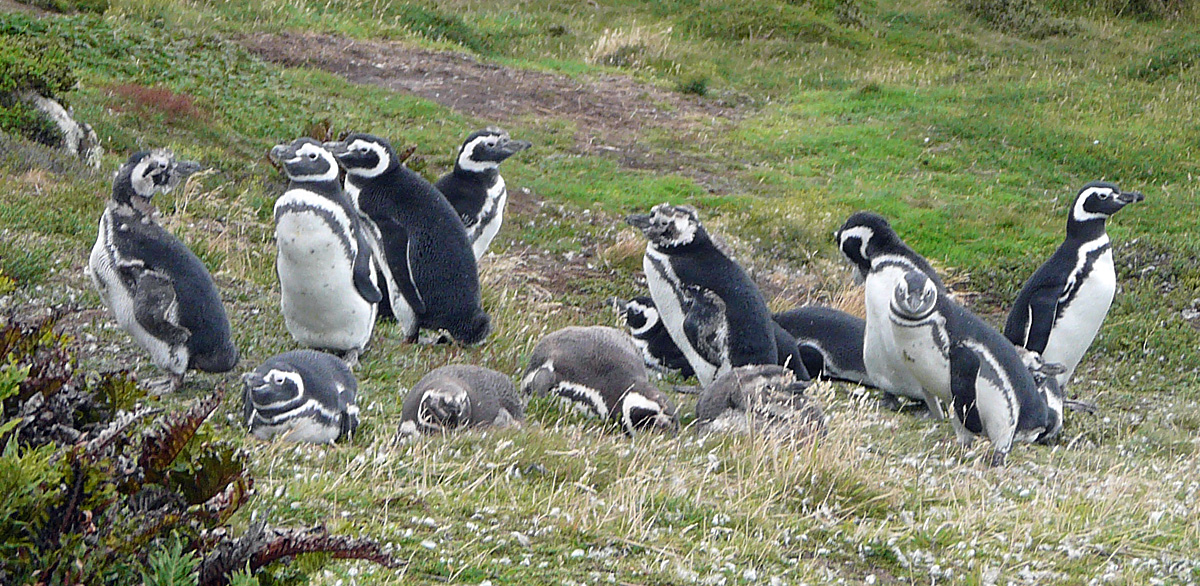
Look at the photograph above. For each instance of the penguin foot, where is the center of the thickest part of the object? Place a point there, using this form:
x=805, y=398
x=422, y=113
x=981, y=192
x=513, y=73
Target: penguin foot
x=167, y=384
x=351, y=358
x=890, y=402
x=998, y=458
x=1080, y=406
x=433, y=340
x=687, y=390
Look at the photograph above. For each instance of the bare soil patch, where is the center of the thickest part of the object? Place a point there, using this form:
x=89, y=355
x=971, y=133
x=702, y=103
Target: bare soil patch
x=610, y=112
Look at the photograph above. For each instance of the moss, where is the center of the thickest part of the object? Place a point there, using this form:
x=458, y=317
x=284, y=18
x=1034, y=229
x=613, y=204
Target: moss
x=36, y=65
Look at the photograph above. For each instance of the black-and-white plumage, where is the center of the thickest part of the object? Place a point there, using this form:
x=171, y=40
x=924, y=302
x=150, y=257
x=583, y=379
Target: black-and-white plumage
x=301, y=396
x=652, y=338
x=880, y=260
x=424, y=242
x=830, y=342
x=156, y=288
x=326, y=273
x=991, y=388
x=1060, y=309
x=460, y=396
x=759, y=399
x=599, y=370
x=475, y=187
x=713, y=311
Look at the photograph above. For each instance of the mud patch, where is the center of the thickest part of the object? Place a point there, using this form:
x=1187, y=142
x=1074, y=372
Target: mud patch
x=610, y=112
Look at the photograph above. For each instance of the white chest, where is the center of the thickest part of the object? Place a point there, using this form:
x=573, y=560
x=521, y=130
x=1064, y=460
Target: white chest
x=664, y=287
x=923, y=349
x=1080, y=320
x=881, y=356
x=492, y=213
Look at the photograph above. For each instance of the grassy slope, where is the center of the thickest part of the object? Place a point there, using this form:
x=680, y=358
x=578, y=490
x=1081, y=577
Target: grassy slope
x=972, y=141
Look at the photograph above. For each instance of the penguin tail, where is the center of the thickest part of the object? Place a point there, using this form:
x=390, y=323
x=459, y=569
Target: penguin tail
x=476, y=329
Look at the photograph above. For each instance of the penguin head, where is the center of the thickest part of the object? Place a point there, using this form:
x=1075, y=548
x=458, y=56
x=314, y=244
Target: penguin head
x=860, y=239
x=146, y=173
x=645, y=408
x=915, y=296
x=640, y=315
x=1099, y=200
x=305, y=160
x=364, y=155
x=273, y=388
x=443, y=409
x=486, y=149
x=668, y=226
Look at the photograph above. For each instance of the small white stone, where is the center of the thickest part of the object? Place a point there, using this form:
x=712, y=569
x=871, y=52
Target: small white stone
x=577, y=553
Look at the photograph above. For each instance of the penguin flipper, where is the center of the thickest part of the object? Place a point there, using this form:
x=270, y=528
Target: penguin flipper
x=396, y=252
x=155, y=305
x=363, y=272
x=789, y=352
x=814, y=361
x=704, y=323
x=1043, y=310
x=964, y=371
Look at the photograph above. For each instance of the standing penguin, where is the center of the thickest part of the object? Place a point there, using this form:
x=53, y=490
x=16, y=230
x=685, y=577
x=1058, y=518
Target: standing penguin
x=428, y=254
x=326, y=274
x=651, y=337
x=759, y=398
x=880, y=260
x=152, y=284
x=713, y=311
x=959, y=357
x=830, y=342
x=475, y=187
x=306, y=395
x=599, y=370
x=1060, y=309
x=460, y=396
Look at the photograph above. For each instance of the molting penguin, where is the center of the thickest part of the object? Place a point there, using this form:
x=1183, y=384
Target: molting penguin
x=1060, y=309
x=599, y=370
x=326, y=272
x=475, y=187
x=880, y=260
x=155, y=287
x=651, y=337
x=305, y=395
x=958, y=356
x=713, y=311
x=460, y=396
x=428, y=254
x=830, y=342
x=759, y=398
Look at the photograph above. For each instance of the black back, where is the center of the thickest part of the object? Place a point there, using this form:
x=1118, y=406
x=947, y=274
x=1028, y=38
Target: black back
x=824, y=332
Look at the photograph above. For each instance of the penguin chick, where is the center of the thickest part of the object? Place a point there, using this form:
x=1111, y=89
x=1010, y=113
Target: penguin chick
x=599, y=370
x=156, y=288
x=475, y=187
x=301, y=396
x=759, y=399
x=460, y=396
x=652, y=338
x=1060, y=309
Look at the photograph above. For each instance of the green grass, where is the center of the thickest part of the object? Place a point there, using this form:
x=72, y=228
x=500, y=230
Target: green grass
x=970, y=139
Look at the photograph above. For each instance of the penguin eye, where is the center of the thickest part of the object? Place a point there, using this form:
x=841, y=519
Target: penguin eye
x=363, y=149
x=312, y=156
x=278, y=378
x=1104, y=195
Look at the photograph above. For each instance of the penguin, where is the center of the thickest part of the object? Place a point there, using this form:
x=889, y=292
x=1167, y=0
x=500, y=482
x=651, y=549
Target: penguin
x=880, y=259
x=651, y=337
x=303, y=396
x=759, y=398
x=830, y=342
x=460, y=396
x=960, y=358
x=328, y=288
x=600, y=371
x=156, y=288
x=713, y=311
x=1060, y=309
x=425, y=245
x=475, y=187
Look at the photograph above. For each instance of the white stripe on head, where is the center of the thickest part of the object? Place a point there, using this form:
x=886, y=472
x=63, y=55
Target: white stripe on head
x=380, y=152
x=277, y=378
x=864, y=235
x=1081, y=215
x=651, y=316
x=636, y=399
x=468, y=164
x=307, y=151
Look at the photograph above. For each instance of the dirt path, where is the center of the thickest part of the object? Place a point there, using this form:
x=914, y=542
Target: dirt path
x=610, y=112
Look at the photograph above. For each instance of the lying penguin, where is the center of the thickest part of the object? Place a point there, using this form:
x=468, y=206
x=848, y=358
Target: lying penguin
x=460, y=396
x=599, y=370
x=759, y=399
x=302, y=396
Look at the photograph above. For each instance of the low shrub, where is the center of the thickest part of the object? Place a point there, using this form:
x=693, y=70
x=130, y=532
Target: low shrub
x=1024, y=18
x=35, y=65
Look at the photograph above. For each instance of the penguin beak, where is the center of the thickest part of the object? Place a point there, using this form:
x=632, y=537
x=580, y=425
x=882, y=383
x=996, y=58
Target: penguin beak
x=185, y=168
x=1128, y=197
x=512, y=147
x=338, y=148
x=639, y=221
x=282, y=152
